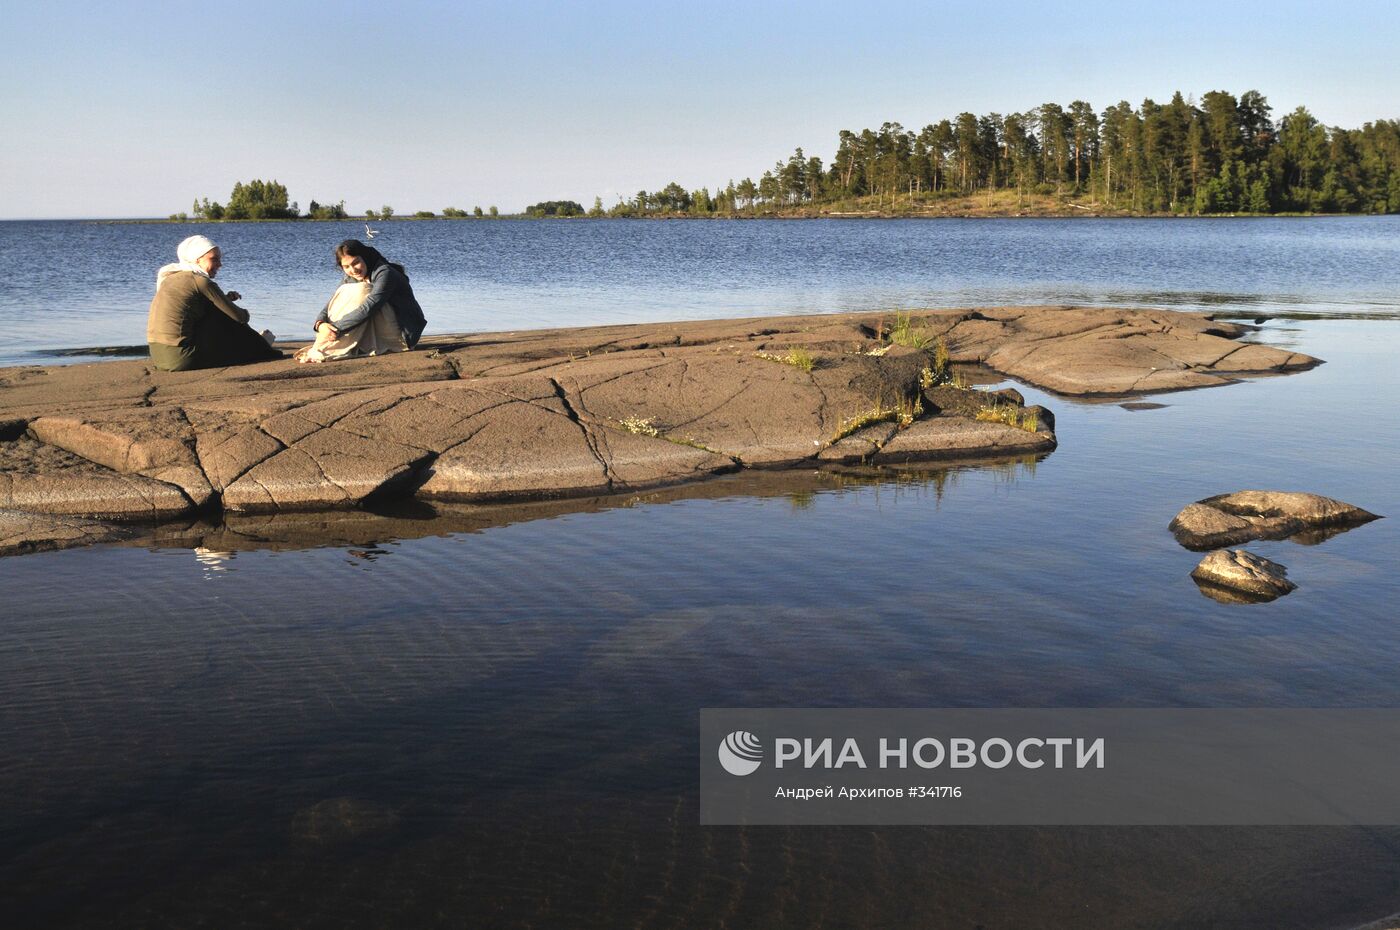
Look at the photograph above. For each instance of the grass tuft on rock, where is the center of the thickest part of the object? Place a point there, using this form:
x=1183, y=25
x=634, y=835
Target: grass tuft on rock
x=940, y=372
x=902, y=414
x=905, y=332
x=797, y=357
x=1010, y=415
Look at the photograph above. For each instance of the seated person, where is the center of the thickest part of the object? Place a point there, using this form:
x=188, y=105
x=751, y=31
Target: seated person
x=377, y=335
x=193, y=323
x=386, y=317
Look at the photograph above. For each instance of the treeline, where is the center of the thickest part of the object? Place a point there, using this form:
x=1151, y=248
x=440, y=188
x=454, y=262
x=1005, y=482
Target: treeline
x=268, y=200
x=1221, y=155
x=554, y=208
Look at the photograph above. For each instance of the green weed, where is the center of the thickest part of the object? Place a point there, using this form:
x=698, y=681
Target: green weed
x=901, y=414
x=797, y=357
x=904, y=332
x=1010, y=415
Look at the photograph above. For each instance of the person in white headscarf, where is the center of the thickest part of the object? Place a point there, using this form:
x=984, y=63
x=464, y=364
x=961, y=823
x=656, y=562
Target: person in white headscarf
x=193, y=323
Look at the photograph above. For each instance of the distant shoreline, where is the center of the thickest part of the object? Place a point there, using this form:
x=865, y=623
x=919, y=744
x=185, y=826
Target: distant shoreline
x=1087, y=214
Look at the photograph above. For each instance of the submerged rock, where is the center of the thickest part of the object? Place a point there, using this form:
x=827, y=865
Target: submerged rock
x=1244, y=577
x=1227, y=519
x=336, y=820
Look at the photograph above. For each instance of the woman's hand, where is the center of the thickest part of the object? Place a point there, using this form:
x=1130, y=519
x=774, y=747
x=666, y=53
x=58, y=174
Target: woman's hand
x=234, y=296
x=329, y=329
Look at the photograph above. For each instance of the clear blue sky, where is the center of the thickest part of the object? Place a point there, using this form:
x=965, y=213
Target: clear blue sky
x=136, y=109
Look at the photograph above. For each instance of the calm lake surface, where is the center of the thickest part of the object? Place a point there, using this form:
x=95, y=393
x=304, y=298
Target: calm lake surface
x=490, y=717
x=87, y=284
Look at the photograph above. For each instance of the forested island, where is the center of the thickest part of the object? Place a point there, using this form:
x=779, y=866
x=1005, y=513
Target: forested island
x=1221, y=155
x=270, y=200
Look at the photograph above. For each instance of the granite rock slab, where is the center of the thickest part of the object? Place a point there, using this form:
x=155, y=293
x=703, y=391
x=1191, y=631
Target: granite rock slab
x=548, y=413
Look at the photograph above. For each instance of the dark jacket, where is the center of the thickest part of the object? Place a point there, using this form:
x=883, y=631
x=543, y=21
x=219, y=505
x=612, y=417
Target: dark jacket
x=388, y=286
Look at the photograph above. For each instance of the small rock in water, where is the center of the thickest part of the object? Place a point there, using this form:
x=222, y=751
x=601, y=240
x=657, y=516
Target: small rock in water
x=1228, y=519
x=1236, y=576
x=1143, y=405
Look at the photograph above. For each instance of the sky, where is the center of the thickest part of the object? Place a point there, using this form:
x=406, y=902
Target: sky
x=137, y=109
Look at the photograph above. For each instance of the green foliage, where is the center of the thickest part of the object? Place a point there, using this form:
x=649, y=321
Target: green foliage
x=553, y=208
x=204, y=210
x=494, y=212
x=1010, y=415
x=1223, y=155
x=328, y=211
x=424, y=215
x=906, y=333
x=476, y=211
x=258, y=200
x=386, y=212
x=939, y=372
x=452, y=213
x=902, y=414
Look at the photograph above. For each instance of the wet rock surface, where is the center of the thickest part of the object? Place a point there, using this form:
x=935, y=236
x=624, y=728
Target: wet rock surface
x=1229, y=519
x=1237, y=576
x=35, y=532
x=599, y=410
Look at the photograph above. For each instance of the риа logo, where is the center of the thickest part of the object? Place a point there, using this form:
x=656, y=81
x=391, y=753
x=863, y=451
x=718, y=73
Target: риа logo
x=740, y=753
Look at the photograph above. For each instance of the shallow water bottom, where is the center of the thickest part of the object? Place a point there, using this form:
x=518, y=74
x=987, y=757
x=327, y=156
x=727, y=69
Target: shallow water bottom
x=494, y=722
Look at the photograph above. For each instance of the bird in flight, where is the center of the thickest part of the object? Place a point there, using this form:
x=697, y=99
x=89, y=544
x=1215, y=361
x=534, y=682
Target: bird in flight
x=370, y=233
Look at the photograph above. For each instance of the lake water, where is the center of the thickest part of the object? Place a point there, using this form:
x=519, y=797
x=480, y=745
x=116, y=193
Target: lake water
x=74, y=284
x=489, y=717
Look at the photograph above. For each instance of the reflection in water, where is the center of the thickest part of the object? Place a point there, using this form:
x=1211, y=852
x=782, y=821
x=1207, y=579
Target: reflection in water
x=497, y=726
x=213, y=560
x=1224, y=595
x=217, y=543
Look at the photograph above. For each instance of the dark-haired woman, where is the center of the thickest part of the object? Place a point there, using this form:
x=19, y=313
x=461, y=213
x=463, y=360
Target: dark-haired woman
x=389, y=309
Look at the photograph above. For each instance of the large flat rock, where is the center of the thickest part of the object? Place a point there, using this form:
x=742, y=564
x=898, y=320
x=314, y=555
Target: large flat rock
x=155, y=443
x=959, y=437
x=325, y=469
x=566, y=412
x=1091, y=351
x=39, y=478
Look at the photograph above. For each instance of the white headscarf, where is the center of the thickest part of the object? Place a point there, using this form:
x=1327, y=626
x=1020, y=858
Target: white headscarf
x=189, y=251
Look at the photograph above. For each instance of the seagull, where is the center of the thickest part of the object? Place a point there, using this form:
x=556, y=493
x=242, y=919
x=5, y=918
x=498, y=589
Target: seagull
x=370, y=233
